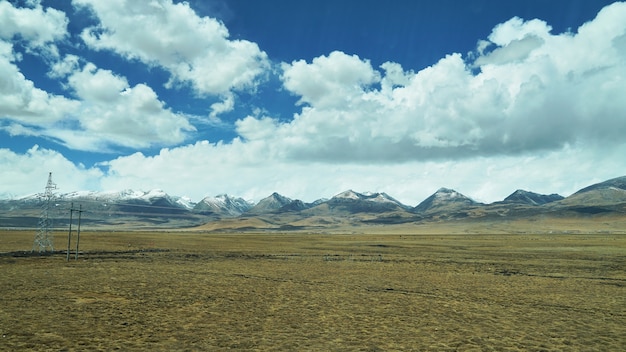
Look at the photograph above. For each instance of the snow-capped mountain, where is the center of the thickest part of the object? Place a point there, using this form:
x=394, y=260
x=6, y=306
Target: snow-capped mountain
x=349, y=194
x=444, y=199
x=148, y=208
x=154, y=197
x=223, y=204
x=354, y=202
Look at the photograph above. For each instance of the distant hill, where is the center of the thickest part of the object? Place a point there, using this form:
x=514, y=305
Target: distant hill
x=614, y=183
x=604, y=197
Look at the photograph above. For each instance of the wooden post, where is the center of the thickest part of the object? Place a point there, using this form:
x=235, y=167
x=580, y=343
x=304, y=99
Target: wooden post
x=69, y=235
x=80, y=211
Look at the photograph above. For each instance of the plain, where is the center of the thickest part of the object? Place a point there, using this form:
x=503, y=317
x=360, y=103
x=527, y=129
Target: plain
x=188, y=291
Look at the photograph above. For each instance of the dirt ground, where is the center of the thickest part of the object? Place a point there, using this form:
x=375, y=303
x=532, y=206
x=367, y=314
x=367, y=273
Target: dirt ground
x=161, y=291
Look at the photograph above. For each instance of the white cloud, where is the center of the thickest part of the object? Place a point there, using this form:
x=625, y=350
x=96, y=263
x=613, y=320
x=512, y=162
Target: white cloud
x=27, y=173
x=517, y=29
x=97, y=85
x=535, y=91
x=203, y=169
x=39, y=27
x=226, y=105
x=21, y=101
x=329, y=81
x=516, y=50
x=112, y=112
x=64, y=67
x=194, y=50
x=108, y=112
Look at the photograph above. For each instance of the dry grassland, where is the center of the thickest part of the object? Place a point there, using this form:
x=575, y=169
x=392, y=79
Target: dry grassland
x=302, y=292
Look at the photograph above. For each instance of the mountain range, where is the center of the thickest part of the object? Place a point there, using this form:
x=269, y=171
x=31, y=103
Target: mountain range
x=157, y=209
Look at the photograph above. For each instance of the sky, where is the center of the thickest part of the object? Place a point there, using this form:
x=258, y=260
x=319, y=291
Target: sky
x=311, y=98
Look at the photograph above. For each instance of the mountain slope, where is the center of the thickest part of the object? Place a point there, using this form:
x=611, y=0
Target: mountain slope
x=614, y=183
x=603, y=197
x=531, y=198
x=270, y=204
x=352, y=202
x=223, y=205
x=444, y=200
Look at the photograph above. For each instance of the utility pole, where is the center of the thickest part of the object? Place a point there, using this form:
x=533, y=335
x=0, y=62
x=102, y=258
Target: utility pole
x=69, y=235
x=80, y=212
x=44, y=238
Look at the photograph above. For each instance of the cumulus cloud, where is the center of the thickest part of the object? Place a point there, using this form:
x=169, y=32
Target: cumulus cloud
x=113, y=112
x=532, y=91
x=205, y=168
x=106, y=113
x=64, y=67
x=39, y=28
x=194, y=50
x=21, y=101
x=26, y=173
x=329, y=81
x=226, y=105
x=36, y=29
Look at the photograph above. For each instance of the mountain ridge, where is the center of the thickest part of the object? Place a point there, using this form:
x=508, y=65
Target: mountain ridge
x=157, y=208
x=532, y=198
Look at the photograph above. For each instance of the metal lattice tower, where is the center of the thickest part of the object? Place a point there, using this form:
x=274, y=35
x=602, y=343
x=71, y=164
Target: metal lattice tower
x=43, y=238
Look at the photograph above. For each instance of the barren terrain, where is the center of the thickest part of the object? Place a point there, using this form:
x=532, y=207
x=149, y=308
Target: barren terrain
x=187, y=291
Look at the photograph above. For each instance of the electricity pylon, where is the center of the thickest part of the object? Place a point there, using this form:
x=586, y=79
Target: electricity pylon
x=44, y=238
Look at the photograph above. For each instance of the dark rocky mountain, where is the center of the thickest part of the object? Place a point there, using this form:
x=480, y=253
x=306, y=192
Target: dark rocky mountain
x=603, y=197
x=614, y=183
x=270, y=204
x=531, y=198
x=444, y=200
x=296, y=205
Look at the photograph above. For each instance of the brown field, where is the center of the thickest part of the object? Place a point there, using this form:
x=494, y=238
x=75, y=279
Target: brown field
x=194, y=291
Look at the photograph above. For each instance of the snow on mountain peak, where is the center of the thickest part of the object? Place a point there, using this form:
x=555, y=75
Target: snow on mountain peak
x=155, y=193
x=382, y=197
x=185, y=202
x=349, y=194
x=447, y=193
x=225, y=204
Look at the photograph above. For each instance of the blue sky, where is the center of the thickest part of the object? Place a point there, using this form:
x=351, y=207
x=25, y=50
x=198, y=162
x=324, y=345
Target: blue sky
x=310, y=98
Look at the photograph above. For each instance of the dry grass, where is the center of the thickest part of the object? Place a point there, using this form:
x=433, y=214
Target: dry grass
x=193, y=291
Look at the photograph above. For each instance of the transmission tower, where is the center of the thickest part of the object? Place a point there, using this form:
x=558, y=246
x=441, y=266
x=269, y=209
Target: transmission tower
x=43, y=238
